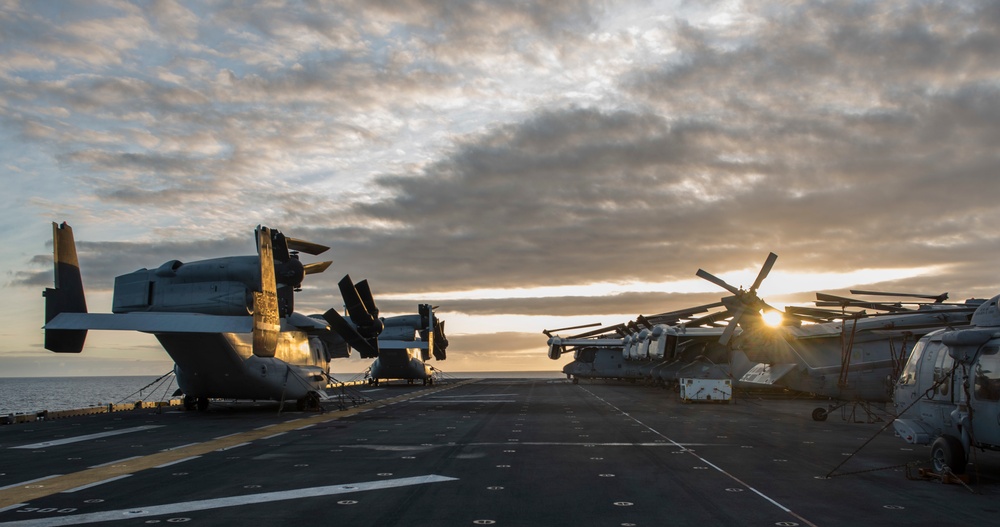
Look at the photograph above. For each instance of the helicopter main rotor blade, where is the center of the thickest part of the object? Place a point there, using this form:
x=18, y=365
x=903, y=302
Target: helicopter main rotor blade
x=303, y=246
x=316, y=267
x=350, y=334
x=936, y=298
x=365, y=293
x=548, y=331
x=717, y=281
x=727, y=333
x=354, y=303
x=764, y=271
x=266, y=319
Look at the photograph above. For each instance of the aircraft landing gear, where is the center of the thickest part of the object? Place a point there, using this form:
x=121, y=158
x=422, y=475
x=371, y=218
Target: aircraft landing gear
x=309, y=402
x=202, y=404
x=189, y=402
x=947, y=454
x=820, y=414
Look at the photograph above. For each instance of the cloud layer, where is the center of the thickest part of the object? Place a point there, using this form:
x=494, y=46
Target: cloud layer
x=440, y=148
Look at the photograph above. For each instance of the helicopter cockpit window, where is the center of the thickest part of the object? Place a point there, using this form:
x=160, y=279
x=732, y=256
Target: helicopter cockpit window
x=909, y=375
x=942, y=370
x=988, y=374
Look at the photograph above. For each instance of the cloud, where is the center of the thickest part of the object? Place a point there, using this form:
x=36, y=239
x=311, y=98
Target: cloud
x=441, y=148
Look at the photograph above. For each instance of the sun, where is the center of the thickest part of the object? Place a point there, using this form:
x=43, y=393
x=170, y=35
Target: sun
x=772, y=318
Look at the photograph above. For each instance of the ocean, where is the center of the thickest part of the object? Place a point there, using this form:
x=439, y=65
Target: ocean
x=33, y=394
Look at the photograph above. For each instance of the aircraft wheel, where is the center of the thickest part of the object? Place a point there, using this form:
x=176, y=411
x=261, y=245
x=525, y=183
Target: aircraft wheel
x=820, y=414
x=190, y=403
x=309, y=402
x=575, y=380
x=202, y=403
x=948, y=451
x=430, y=381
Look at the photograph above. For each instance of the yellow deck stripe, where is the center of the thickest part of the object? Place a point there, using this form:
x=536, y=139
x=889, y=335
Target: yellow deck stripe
x=46, y=487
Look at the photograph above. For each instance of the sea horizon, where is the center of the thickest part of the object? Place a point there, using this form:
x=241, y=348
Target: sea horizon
x=26, y=395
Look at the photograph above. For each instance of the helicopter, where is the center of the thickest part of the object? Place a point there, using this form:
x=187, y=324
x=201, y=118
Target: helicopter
x=405, y=346
x=948, y=395
x=851, y=357
x=228, y=323
x=661, y=348
x=597, y=354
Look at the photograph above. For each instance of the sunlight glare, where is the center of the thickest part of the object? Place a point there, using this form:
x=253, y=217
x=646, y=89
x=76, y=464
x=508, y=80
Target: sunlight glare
x=773, y=318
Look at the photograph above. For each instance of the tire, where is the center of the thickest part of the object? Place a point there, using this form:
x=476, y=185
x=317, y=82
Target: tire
x=820, y=414
x=948, y=451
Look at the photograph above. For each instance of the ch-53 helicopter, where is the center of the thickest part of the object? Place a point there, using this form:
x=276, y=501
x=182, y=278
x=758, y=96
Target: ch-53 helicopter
x=948, y=395
x=228, y=323
x=405, y=346
x=661, y=348
x=849, y=357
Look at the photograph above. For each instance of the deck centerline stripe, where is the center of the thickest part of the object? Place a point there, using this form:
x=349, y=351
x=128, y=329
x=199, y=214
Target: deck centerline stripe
x=707, y=462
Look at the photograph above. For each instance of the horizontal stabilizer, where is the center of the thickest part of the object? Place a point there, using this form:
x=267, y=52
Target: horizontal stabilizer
x=768, y=374
x=152, y=322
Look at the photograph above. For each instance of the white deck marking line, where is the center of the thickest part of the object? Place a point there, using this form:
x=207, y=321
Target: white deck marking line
x=272, y=436
x=30, y=481
x=176, y=461
x=707, y=462
x=96, y=483
x=77, y=439
x=14, y=506
x=538, y=443
x=476, y=395
x=454, y=401
x=233, y=501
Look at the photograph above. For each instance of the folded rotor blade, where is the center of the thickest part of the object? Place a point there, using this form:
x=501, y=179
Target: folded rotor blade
x=266, y=319
x=355, y=305
x=549, y=332
x=936, y=298
x=709, y=319
x=365, y=292
x=316, y=267
x=295, y=244
x=366, y=348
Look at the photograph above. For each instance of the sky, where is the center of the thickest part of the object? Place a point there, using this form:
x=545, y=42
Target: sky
x=523, y=165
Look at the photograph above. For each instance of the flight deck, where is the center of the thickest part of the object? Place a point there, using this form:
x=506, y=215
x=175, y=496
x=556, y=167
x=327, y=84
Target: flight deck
x=482, y=452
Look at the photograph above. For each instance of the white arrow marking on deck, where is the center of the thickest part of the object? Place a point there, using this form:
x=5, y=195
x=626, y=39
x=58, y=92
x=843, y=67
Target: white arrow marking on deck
x=88, y=437
x=233, y=501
